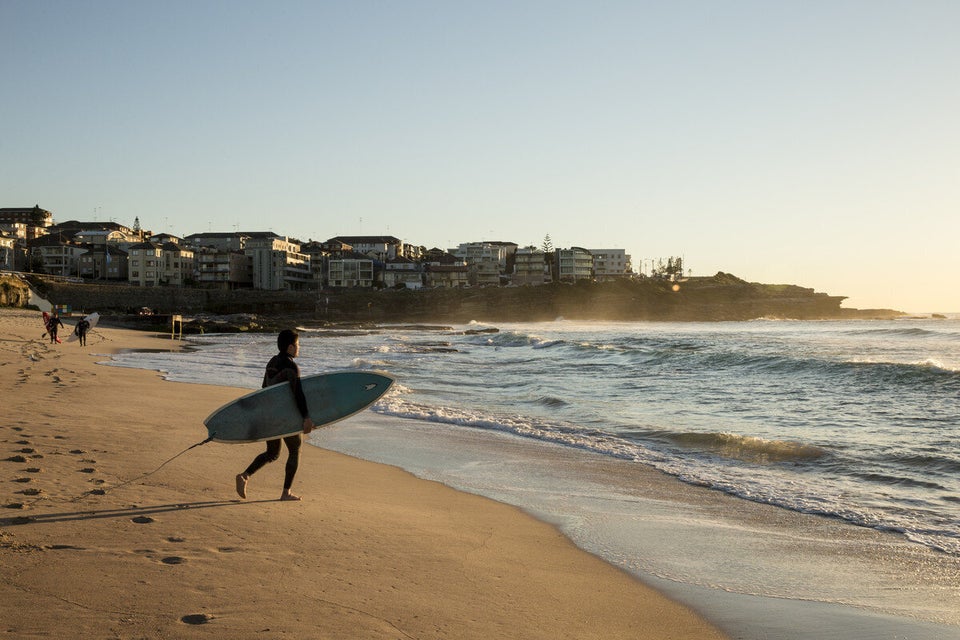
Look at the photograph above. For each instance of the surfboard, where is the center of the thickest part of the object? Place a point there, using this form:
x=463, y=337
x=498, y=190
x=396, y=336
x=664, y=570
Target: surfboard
x=271, y=412
x=46, y=327
x=92, y=318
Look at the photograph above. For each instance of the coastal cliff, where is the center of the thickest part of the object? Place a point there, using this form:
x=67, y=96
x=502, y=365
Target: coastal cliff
x=716, y=298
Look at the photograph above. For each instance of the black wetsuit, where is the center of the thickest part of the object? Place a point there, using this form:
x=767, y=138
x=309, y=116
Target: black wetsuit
x=282, y=368
x=53, y=327
x=81, y=331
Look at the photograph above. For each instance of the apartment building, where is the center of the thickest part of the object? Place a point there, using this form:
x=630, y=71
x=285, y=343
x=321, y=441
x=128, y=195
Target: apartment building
x=34, y=219
x=222, y=268
x=278, y=264
x=350, y=272
x=105, y=262
x=530, y=267
x=152, y=264
x=144, y=264
x=50, y=254
x=611, y=263
x=575, y=263
x=486, y=261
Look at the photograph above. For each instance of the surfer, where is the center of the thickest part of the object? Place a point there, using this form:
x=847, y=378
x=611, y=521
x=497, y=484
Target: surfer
x=81, y=331
x=53, y=325
x=282, y=368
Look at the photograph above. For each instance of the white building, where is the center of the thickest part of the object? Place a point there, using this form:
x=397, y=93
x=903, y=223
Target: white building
x=575, y=263
x=611, y=263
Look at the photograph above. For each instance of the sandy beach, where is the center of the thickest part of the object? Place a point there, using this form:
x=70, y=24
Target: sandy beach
x=92, y=547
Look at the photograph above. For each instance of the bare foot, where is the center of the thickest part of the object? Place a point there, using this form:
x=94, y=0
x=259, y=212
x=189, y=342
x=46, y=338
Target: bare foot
x=241, y=485
x=286, y=495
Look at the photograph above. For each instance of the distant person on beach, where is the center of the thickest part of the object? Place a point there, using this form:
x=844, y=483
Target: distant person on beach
x=282, y=368
x=53, y=326
x=81, y=330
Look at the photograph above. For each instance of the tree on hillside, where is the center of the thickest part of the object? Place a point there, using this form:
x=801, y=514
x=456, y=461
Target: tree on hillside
x=37, y=216
x=547, y=246
x=549, y=257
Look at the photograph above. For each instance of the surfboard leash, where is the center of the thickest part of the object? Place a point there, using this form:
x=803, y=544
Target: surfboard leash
x=142, y=476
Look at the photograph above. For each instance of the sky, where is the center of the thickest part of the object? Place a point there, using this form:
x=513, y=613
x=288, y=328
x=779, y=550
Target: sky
x=807, y=142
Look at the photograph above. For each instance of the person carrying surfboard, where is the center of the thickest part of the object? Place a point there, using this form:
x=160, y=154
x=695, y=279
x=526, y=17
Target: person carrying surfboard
x=53, y=326
x=282, y=368
x=81, y=331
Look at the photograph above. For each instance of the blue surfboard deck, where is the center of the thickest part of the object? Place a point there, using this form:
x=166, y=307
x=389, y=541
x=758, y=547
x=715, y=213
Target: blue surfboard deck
x=272, y=411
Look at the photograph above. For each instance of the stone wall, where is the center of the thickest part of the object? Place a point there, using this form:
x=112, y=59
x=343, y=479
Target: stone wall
x=166, y=300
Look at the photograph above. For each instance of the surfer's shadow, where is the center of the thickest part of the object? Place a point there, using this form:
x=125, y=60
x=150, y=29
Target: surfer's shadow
x=139, y=515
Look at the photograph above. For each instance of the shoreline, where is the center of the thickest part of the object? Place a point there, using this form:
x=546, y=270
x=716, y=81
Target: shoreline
x=856, y=577
x=90, y=547
x=658, y=514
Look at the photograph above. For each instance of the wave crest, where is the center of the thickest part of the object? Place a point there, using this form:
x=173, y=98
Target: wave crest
x=746, y=448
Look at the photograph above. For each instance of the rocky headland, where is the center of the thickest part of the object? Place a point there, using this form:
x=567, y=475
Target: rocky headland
x=722, y=297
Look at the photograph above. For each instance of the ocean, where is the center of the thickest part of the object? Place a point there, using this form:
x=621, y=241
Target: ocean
x=590, y=426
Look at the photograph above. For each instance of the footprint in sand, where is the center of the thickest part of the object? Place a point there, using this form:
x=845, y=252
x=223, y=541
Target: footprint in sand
x=77, y=451
x=16, y=459
x=176, y=539
x=15, y=505
x=88, y=470
x=196, y=618
x=98, y=492
x=33, y=470
x=22, y=479
x=173, y=560
x=31, y=492
x=143, y=520
x=27, y=450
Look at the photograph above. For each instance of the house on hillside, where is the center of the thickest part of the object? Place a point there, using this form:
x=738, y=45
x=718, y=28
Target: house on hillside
x=80, y=231
x=380, y=248
x=403, y=272
x=444, y=269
